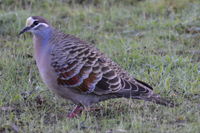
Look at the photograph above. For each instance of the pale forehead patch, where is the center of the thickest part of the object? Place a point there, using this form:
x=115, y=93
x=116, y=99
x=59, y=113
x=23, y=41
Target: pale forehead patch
x=30, y=21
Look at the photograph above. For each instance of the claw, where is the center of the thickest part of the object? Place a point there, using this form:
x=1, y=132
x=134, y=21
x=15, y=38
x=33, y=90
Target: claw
x=78, y=109
x=75, y=112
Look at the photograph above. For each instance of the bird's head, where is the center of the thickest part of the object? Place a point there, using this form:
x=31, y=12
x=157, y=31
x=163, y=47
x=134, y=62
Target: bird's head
x=36, y=25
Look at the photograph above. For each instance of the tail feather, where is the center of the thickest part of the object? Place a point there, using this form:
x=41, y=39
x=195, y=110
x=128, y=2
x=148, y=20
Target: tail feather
x=143, y=91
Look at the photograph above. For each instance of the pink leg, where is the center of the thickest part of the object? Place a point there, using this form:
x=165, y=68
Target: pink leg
x=75, y=112
x=78, y=109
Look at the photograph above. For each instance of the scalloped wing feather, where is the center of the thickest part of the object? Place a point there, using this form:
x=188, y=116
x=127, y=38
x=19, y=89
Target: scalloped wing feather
x=84, y=68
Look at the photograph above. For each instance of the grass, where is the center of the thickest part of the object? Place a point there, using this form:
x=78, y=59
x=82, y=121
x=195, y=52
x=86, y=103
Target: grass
x=157, y=41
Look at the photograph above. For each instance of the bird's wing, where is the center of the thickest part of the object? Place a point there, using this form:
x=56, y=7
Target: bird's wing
x=82, y=67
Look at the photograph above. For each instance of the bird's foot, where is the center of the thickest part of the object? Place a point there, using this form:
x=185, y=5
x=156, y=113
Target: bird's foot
x=79, y=109
x=75, y=112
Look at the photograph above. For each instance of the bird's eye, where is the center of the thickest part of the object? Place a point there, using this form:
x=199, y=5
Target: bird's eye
x=35, y=22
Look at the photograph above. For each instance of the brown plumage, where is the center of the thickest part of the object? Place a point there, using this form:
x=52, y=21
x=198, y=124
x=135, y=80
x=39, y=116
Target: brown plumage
x=78, y=71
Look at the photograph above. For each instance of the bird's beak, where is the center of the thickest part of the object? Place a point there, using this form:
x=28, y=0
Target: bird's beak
x=25, y=29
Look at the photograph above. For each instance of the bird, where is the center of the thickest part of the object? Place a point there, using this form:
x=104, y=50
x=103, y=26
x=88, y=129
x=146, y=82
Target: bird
x=76, y=70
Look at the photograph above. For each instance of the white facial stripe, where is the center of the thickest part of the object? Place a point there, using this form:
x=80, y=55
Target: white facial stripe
x=30, y=21
x=46, y=25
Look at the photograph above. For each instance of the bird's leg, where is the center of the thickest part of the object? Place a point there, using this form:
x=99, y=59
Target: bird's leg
x=76, y=111
x=79, y=108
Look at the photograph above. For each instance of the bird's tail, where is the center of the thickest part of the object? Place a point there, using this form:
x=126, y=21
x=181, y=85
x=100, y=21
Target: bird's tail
x=155, y=98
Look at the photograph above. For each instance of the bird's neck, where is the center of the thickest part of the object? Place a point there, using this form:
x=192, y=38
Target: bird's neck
x=41, y=42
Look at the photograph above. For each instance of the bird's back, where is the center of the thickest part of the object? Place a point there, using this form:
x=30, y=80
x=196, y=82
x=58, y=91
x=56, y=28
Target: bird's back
x=82, y=67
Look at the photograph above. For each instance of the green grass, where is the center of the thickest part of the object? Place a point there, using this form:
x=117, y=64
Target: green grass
x=151, y=39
